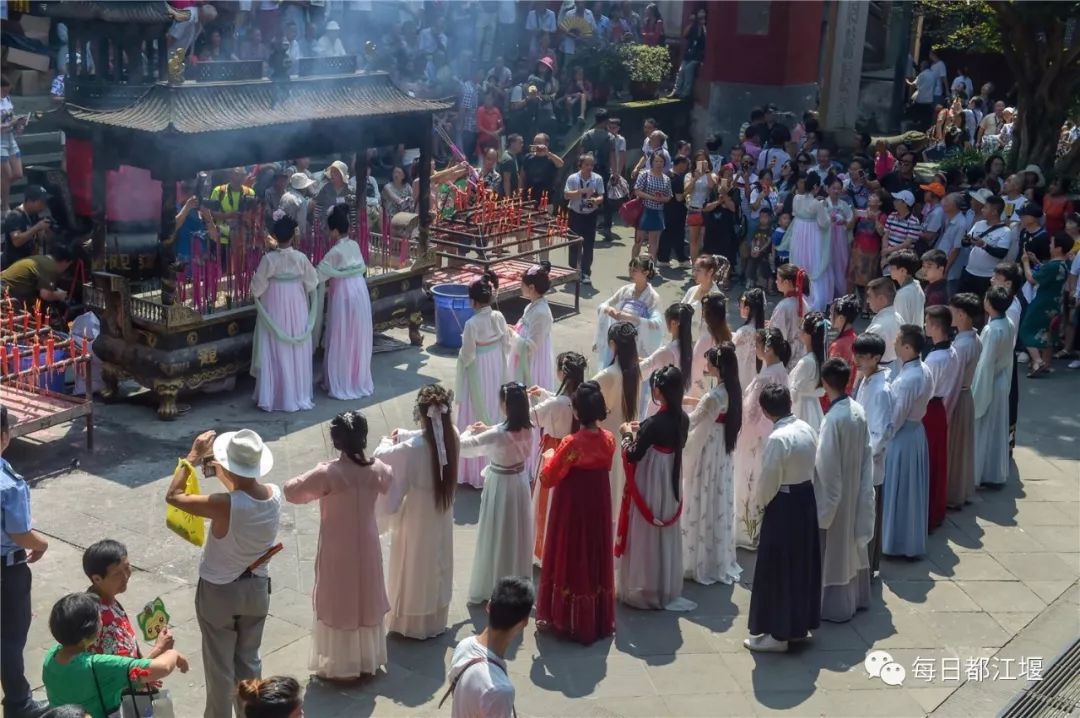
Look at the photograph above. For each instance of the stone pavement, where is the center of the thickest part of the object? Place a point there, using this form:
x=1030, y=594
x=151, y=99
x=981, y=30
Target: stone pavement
x=1000, y=580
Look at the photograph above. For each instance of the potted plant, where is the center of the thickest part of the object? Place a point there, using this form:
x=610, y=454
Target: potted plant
x=646, y=66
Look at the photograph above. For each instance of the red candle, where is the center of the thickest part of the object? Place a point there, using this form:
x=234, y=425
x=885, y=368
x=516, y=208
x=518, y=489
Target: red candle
x=16, y=364
x=71, y=347
x=85, y=347
x=3, y=359
x=35, y=361
x=26, y=321
x=50, y=351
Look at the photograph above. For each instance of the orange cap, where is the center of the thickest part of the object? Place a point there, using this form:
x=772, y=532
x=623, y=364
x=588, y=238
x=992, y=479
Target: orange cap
x=935, y=187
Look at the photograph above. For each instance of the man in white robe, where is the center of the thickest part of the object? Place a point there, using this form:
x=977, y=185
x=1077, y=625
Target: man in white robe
x=874, y=395
x=844, y=491
x=990, y=391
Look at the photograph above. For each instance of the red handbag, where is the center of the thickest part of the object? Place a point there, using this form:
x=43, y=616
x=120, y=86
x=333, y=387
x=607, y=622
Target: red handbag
x=631, y=211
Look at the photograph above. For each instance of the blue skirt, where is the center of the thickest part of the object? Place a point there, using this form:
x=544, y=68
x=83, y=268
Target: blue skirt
x=652, y=220
x=906, y=493
x=786, y=598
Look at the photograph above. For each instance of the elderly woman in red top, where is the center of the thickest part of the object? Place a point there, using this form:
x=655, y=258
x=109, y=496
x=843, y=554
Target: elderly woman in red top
x=106, y=564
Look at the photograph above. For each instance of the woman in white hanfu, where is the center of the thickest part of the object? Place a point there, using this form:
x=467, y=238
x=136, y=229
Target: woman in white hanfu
x=708, y=519
x=678, y=352
x=553, y=416
x=418, y=515
x=752, y=310
x=532, y=359
x=809, y=242
x=504, y=542
x=620, y=383
x=805, y=379
x=481, y=369
x=349, y=331
x=284, y=288
x=637, y=303
x=774, y=353
x=648, y=540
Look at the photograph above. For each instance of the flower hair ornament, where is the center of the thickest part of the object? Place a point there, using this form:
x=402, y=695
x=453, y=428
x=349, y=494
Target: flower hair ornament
x=435, y=413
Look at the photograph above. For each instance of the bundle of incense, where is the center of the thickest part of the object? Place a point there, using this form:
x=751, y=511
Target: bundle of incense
x=365, y=236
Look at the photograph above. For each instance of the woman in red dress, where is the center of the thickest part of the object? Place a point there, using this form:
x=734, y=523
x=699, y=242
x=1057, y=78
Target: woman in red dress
x=845, y=311
x=577, y=580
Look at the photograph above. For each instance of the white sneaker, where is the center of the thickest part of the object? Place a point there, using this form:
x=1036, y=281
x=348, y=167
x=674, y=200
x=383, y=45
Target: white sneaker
x=765, y=644
x=686, y=265
x=674, y=264
x=586, y=279
x=1074, y=364
x=1022, y=358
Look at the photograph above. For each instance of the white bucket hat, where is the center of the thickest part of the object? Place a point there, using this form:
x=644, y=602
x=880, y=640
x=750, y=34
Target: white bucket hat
x=341, y=167
x=300, y=181
x=1035, y=170
x=332, y=25
x=243, y=453
x=981, y=195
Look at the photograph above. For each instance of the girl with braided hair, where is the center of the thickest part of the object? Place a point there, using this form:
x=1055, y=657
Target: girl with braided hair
x=708, y=523
x=620, y=382
x=678, y=352
x=504, y=542
x=576, y=597
x=789, y=311
x=349, y=638
x=481, y=369
x=773, y=352
x=419, y=512
x=553, y=415
x=648, y=543
x=805, y=379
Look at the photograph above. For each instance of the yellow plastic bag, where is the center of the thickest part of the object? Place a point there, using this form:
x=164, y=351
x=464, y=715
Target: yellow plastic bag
x=187, y=526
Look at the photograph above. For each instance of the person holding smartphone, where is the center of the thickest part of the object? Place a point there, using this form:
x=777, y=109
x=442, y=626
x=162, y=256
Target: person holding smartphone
x=232, y=599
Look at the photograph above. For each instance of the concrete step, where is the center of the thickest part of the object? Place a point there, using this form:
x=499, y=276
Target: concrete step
x=42, y=149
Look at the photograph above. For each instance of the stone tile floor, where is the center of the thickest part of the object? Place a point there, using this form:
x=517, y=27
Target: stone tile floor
x=1000, y=576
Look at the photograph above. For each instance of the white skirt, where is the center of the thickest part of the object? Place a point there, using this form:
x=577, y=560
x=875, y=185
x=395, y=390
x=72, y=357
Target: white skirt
x=339, y=654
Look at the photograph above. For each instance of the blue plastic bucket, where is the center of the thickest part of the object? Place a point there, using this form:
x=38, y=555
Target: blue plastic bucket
x=452, y=309
x=51, y=380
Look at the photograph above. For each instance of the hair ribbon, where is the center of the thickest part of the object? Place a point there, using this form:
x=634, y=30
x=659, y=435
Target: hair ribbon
x=435, y=412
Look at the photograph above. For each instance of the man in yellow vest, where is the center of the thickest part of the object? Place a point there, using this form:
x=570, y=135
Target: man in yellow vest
x=228, y=200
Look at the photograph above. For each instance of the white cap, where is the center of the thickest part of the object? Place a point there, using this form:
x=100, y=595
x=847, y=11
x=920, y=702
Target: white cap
x=332, y=25
x=981, y=195
x=905, y=197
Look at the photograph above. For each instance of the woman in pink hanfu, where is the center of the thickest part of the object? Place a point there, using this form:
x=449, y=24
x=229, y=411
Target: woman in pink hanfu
x=349, y=332
x=348, y=639
x=284, y=288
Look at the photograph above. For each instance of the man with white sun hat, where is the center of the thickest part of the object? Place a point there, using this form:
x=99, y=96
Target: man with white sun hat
x=233, y=594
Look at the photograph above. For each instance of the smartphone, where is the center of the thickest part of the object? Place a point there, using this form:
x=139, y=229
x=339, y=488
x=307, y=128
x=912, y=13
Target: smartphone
x=209, y=468
x=534, y=148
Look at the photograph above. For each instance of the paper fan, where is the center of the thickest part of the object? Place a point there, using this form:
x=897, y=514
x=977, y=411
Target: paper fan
x=575, y=24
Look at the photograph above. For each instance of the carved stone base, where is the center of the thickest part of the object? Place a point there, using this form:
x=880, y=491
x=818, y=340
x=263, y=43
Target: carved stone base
x=166, y=392
x=415, y=337
x=110, y=377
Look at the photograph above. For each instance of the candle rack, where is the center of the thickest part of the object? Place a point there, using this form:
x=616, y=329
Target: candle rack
x=34, y=359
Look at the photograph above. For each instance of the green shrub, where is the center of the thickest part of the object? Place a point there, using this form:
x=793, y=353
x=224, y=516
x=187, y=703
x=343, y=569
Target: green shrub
x=646, y=63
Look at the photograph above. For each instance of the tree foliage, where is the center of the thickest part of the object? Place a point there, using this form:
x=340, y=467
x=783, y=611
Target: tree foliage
x=957, y=25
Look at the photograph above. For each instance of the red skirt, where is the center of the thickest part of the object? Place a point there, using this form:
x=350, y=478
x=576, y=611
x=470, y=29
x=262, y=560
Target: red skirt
x=577, y=578
x=937, y=444
x=542, y=495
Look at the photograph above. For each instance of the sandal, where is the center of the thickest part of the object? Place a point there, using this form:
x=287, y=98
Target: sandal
x=1035, y=370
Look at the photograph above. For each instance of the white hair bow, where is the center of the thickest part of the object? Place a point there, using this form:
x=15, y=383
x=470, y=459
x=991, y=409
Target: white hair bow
x=435, y=412
x=278, y=214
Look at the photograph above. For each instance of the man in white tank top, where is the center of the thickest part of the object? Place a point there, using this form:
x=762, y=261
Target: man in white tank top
x=233, y=595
